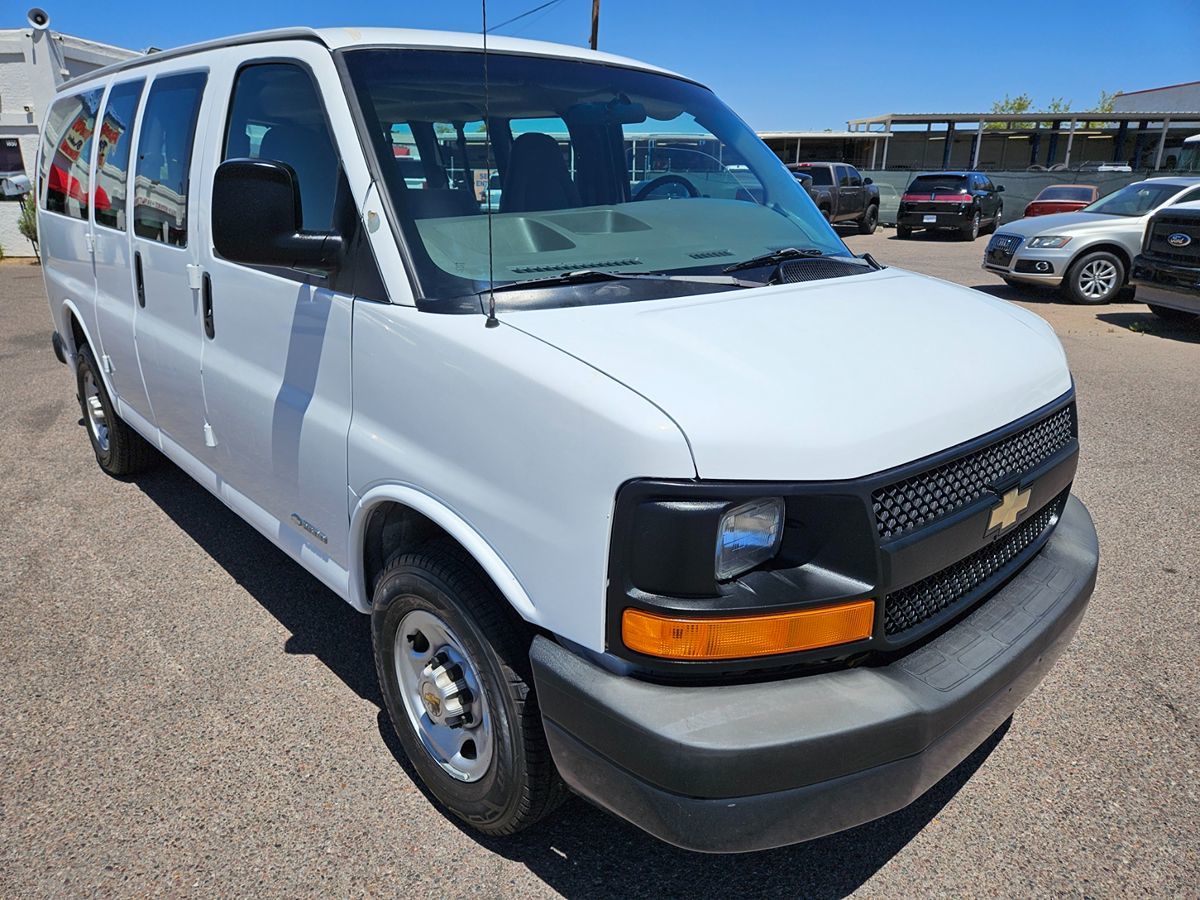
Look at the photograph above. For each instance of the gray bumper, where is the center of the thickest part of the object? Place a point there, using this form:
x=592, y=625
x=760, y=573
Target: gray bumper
x=750, y=766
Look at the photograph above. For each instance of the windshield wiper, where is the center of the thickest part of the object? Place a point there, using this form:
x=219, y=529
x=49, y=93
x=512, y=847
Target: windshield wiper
x=591, y=276
x=774, y=258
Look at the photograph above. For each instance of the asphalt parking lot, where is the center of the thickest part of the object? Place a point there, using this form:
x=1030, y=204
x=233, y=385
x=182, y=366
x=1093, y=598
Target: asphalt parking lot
x=186, y=711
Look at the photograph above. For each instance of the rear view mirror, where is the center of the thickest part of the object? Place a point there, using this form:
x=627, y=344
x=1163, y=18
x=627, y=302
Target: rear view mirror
x=868, y=181
x=617, y=111
x=256, y=218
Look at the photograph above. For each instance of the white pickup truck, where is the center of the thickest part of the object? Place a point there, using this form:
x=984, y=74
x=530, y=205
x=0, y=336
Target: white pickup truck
x=661, y=495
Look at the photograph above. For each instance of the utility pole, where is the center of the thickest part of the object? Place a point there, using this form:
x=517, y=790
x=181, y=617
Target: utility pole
x=595, y=21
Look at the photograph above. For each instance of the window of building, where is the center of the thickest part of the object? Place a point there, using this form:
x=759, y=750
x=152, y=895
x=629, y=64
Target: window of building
x=10, y=157
x=66, y=154
x=164, y=158
x=112, y=155
x=275, y=114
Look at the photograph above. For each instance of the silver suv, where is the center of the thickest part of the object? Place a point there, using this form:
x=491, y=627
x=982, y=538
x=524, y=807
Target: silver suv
x=1087, y=254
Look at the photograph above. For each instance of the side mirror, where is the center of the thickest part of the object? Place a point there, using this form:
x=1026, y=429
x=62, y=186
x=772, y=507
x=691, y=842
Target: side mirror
x=999, y=189
x=256, y=218
x=868, y=181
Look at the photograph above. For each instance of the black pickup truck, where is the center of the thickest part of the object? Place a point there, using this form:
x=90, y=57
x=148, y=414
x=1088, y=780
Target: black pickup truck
x=842, y=194
x=1170, y=259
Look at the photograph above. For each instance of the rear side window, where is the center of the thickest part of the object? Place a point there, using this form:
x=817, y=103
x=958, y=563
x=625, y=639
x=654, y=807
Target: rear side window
x=1188, y=197
x=112, y=155
x=66, y=154
x=821, y=175
x=275, y=114
x=164, y=157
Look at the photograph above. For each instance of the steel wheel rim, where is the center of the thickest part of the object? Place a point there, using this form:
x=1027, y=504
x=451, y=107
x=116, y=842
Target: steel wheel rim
x=1097, y=278
x=463, y=750
x=94, y=408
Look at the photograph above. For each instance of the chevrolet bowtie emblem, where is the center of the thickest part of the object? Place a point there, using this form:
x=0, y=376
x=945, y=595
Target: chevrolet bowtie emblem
x=1011, y=506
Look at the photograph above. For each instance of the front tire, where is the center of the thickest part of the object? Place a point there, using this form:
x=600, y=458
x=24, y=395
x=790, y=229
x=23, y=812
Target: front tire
x=1094, y=279
x=995, y=226
x=870, y=220
x=453, y=666
x=120, y=451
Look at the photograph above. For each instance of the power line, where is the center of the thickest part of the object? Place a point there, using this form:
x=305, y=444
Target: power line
x=528, y=12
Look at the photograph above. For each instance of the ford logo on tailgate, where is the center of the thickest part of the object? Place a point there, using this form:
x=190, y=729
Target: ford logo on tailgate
x=1179, y=239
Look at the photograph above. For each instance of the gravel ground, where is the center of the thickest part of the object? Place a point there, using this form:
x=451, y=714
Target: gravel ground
x=186, y=711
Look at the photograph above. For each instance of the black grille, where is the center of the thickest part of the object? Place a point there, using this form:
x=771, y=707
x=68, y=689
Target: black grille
x=1163, y=227
x=910, y=606
x=906, y=505
x=816, y=269
x=1000, y=249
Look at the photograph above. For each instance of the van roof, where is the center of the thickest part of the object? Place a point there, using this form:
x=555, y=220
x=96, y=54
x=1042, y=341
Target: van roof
x=343, y=38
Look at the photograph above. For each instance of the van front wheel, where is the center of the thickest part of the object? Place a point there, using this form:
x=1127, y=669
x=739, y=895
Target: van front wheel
x=119, y=449
x=453, y=666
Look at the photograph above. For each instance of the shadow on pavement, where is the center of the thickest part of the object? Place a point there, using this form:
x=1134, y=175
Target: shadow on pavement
x=320, y=622
x=1148, y=323
x=582, y=851
x=579, y=851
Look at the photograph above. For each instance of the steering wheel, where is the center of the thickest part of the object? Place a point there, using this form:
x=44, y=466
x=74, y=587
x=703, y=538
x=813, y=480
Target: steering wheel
x=651, y=186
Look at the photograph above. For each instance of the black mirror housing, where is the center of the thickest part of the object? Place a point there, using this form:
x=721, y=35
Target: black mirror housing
x=256, y=218
x=999, y=189
x=868, y=181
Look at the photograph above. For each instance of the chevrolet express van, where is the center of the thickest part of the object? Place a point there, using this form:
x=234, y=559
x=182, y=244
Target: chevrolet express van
x=656, y=494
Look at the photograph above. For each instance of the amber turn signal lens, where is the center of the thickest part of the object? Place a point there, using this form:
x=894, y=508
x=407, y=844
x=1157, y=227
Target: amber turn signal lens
x=734, y=637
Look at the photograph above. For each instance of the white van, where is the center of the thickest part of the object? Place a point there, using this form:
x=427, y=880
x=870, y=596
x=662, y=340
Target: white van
x=659, y=494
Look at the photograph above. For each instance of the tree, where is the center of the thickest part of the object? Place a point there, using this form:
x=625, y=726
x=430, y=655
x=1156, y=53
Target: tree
x=27, y=222
x=1011, y=106
x=1104, y=104
x=1058, y=105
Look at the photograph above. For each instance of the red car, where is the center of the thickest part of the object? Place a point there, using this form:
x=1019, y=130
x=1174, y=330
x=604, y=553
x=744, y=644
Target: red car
x=1062, y=198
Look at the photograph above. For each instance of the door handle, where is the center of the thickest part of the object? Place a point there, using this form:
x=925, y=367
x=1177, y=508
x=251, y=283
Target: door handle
x=207, y=308
x=137, y=274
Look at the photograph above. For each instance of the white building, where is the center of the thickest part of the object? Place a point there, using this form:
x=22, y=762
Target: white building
x=1174, y=98
x=33, y=61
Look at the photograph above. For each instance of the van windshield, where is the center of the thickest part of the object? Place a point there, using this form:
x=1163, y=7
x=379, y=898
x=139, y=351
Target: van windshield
x=579, y=166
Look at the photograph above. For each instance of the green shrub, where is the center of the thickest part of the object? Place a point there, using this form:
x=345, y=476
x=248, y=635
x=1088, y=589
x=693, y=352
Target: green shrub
x=27, y=224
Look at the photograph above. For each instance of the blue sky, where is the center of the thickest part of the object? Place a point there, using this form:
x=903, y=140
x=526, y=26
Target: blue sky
x=780, y=65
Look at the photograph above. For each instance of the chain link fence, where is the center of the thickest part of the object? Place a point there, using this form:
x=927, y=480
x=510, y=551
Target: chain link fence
x=1020, y=187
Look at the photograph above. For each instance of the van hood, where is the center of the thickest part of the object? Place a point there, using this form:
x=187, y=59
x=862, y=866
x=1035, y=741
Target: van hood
x=820, y=381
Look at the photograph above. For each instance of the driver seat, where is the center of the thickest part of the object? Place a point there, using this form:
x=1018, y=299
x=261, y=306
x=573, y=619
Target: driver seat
x=537, y=178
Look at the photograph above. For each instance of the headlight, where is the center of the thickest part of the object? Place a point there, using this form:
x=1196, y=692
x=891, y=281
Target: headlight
x=1048, y=241
x=748, y=535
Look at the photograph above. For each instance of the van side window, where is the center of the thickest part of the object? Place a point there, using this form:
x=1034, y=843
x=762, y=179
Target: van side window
x=112, y=156
x=275, y=114
x=66, y=154
x=164, y=158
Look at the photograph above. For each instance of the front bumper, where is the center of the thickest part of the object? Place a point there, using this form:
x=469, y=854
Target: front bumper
x=1183, y=280
x=1058, y=258
x=743, y=767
